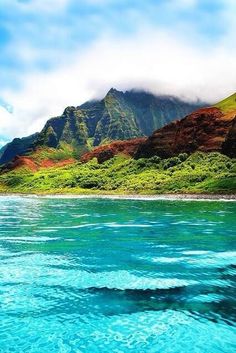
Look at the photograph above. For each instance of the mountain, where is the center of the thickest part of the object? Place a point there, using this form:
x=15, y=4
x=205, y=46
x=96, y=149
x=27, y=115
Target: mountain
x=211, y=129
x=18, y=146
x=207, y=130
x=121, y=116
x=192, y=155
x=118, y=116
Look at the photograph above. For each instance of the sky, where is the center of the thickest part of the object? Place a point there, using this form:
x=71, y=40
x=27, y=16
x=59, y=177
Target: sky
x=57, y=53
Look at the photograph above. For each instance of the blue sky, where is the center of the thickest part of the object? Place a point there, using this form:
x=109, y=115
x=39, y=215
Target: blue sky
x=62, y=52
x=55, y=30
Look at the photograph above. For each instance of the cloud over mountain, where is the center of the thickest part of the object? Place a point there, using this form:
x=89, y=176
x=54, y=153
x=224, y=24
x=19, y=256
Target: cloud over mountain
x=80, y=50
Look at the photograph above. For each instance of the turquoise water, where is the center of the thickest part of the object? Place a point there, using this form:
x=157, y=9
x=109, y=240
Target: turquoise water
x=87, y=275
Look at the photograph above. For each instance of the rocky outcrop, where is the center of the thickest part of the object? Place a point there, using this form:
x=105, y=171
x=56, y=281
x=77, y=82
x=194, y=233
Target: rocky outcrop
x=103, y=153
x=206, y=130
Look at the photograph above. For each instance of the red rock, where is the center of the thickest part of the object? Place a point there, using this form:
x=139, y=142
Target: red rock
x=103, y=153
x=20, y=162
x=49, y=163
x=32, y=165
x=206, y=130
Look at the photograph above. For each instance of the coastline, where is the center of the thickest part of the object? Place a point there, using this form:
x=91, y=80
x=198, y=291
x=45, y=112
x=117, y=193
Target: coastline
x=161, y=197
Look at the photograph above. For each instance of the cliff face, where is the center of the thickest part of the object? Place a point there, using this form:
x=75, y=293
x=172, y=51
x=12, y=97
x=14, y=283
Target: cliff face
x=70, y=128
x=154, y=112
x=206, y=130
x=119, y=116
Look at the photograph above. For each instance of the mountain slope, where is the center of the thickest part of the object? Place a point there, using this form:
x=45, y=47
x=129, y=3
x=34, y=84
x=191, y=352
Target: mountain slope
x=69, y=128
x=133, y=114
x=153, y=112
x=18, y=146
x=228, y=104
x=119, y=116
x=208, y=129
x=105, y=152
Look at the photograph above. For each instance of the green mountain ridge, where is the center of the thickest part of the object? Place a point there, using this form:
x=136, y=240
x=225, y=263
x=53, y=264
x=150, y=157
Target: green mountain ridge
x=119, y=116
x=18, y=146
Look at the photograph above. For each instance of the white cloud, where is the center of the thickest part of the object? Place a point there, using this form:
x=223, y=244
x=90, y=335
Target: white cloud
x=154, y=60
x=157, y=60
x=6, y=119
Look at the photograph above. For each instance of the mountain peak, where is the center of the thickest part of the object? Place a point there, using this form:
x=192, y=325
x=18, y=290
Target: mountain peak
x=113, y=92
x=69, y=110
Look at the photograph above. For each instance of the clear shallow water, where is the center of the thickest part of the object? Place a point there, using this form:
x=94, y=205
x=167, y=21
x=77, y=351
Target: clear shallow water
x=84, y=275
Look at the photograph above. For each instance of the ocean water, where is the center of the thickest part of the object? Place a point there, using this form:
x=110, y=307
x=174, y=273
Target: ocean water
x=90, y=275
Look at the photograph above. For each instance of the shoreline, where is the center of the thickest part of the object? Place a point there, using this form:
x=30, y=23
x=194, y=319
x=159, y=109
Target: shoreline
x=161, y=197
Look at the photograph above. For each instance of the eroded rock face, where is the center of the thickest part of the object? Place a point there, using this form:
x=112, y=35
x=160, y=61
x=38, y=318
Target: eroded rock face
x=207, y=130
x=103, y=153
x=20, y=162
x=32, y=165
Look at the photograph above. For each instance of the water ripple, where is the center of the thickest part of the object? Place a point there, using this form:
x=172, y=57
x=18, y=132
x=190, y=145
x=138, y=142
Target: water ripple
x=87, y=275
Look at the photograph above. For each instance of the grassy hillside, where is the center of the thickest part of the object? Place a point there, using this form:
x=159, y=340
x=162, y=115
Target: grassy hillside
x=228, y=104
x=198, y=173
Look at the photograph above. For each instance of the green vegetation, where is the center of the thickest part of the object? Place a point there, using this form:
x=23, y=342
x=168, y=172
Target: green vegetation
x=228, y=104
x=198, y=173
x=54, y=154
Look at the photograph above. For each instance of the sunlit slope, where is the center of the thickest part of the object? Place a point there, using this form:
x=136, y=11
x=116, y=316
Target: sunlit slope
x=228, y=104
